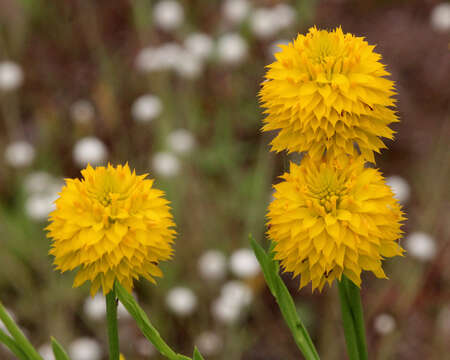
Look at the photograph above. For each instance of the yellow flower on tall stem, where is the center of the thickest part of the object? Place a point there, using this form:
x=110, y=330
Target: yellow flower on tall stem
x=327, y=91
x=113, y=226
x=331, y=218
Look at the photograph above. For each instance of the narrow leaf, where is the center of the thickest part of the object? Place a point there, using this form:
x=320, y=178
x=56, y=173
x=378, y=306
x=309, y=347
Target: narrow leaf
x=144, y=323
x=20, y=339
x=58, y=350
x=197, y=355
x=11, y=345
x=285, y=302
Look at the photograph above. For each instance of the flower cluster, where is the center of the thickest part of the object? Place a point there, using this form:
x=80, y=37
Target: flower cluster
x=113, y=226
x=327, y=95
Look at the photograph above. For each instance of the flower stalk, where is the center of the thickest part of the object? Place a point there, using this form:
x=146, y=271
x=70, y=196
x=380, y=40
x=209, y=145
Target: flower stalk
x=113, y=334
x=353, y=319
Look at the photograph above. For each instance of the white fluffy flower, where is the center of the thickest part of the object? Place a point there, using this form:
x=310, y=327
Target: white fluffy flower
x=384, y=324
x=400, y=188
x=166, y=164
x=95, y=307
x=39, y=205
x=440, y=17
x=181, y=301
x=209, y=343
x=421, y=246
x=11, y=76
x=200, y=45
x=38, y=182
x=212, y=265
x=85, y=349
x=82, y=112
x=147, y=59
x=243, y=263
x=189, y=66
x=146, y=107
x=46, y=352
x=89, y=150
x=235, y=11
x=19, y=154
x=234, y=296
x=284, y=15
x=181, y=141
x=168, y=14
x=231, y=49
x=263, y=23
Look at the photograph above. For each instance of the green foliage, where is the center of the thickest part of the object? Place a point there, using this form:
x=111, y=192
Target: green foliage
x=146, y=327
x=279, y=290
x=58, y=350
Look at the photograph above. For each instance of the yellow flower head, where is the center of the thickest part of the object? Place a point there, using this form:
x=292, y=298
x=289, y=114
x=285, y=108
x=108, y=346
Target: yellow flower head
x=327, y=91
x=334, y=217
x=113, y=225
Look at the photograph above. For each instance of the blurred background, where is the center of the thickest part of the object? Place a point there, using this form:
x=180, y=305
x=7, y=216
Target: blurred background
x=171, y=87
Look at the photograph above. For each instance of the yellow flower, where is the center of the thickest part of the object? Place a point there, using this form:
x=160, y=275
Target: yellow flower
x=334, y=217
x=111, y=225
x=327, y=91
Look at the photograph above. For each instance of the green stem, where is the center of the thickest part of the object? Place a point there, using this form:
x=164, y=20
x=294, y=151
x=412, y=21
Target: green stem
x=113, y=334
x=353, y=320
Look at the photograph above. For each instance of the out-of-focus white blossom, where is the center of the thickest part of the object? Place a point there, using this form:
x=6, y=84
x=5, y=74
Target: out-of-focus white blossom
x=209, y=343
x=284, y=15
x=181, y=301
x=146, y=107
x=231, y=49
x=235, y=11
x=234, y=296
x=89, y=150
x=11, y=76
x=39, y=205
x=46, y=352
x=440, y=17
x=95, y=307
x=212, y=265
x=168, y=14
x=19, y=154
x=181, y=141
x=199, y=44
x=421, y=246
x=263, y=23
x=243, y=263
x=384, y=324
x=82, y=112
x=85, y=349
x=165, y=164
x=400, y=188
x=164, y=57
x=189, y=66
x=145, y=347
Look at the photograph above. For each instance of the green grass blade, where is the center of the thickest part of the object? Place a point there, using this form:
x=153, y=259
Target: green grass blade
x=144, y=324
x=20, y=339
x=285, y=302
x=58, y=350
x=197, y=355
x=11, y=345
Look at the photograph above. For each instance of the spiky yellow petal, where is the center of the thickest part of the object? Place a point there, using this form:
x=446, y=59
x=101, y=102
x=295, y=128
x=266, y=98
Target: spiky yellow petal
x=334, y=217
x=327, y=91
x=113, y=226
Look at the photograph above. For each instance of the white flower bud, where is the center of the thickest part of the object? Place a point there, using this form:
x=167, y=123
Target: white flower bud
x=89, y=150
x=421, y=246
x=212, y=265
x=11, y=76
x=166, y=164
x=146, y=108
x=85, y=349
x=19, y=154
x=399, y=187
x=243, y=263
x=181, y=301
x=168, y=14
x=181, y=141
x=231, y=49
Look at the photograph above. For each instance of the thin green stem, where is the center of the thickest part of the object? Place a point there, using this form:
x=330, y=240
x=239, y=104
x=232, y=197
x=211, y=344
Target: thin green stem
x=348, y=323
x=113, y=334
x=354, y=298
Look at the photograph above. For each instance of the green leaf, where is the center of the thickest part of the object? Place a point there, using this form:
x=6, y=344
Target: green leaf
x=285, y=302
x=11, y=345
x=145, y=325
x=197, y=355
x=20, y=339
x=58, y=350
